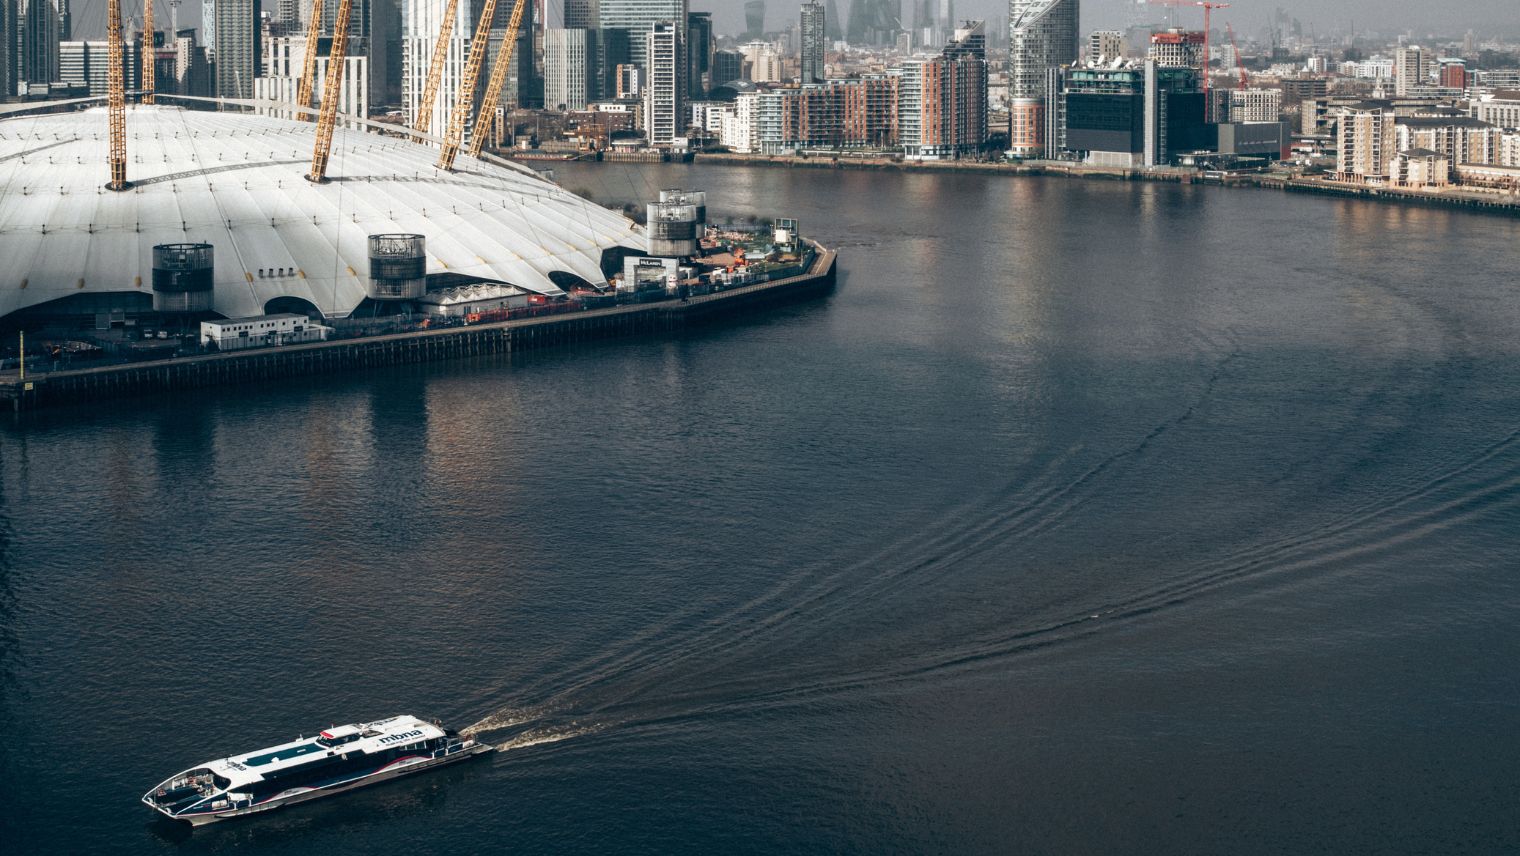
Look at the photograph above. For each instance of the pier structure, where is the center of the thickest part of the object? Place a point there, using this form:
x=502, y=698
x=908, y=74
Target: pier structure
x=85, y=386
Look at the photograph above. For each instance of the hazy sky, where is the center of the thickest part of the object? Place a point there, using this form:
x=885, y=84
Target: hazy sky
x=1446, y=16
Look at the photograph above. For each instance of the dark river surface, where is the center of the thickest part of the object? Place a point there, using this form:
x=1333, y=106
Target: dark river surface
x=1081, y=518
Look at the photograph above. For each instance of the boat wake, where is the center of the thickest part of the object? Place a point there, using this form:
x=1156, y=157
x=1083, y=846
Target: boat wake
x=542, y=736
x=537, y=734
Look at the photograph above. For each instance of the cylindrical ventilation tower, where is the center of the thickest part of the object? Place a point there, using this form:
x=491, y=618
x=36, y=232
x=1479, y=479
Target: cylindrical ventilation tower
x=182, y=277
x=397, y=267
x=690, y=197
x=672, y=229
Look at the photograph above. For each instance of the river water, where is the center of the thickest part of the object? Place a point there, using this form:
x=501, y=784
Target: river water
x=1082, y=517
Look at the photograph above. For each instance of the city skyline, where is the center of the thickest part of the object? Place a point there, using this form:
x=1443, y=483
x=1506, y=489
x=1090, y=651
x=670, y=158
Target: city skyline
x=1494, y=18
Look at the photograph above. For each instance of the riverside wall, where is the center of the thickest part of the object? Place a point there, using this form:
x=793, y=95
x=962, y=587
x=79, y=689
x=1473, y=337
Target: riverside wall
x=267, y=364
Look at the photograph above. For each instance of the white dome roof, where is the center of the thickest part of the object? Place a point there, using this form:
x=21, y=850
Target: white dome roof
x=237, y=182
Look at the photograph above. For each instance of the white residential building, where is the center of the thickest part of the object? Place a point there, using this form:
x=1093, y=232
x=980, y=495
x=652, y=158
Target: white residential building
x=420, y=22
x=283, y=57
x=666, y=88
x=569, y=68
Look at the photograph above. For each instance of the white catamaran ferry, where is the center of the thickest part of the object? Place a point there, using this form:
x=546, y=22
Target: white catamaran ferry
x=339, y=759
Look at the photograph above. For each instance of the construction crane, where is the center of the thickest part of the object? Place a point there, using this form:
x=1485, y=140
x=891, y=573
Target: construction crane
x=465, y=99
x=149, y=59
x=435, y=71
x=332, y=89
x=309, y=63
x=1240, y=65
x=1208, y=9
x=487, y=112
x=116, y=98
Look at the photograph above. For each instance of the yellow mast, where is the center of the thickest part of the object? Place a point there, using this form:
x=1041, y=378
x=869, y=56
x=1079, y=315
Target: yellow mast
x=465, y=99
x=332, y=89
x=116, y=98
x=149, y=58
x=492, y=97
x=309, y=64
x=435, y=71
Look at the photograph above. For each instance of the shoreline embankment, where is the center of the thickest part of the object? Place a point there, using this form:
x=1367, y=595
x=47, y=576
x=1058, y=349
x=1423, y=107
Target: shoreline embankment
x=78, y=386
x=1491, y=203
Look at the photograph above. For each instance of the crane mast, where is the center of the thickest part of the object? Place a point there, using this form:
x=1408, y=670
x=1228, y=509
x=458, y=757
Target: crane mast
x=149, y=58
x=492, y=97
x=332, y=89
x=435, y=71
x=1208, y=8
x=309, y=63
x=465, y=99
x=116, y=98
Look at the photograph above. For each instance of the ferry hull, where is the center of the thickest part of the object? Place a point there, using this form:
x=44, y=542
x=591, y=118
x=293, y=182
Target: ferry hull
x=384, y=775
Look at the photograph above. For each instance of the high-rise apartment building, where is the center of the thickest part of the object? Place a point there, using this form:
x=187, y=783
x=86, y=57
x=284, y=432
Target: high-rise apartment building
x=874, y=22
x=208, y=30
x=727, y=66
x=1105, y=46
x=421, y=21
x=1411, y=69
x=280, y=81
x=1043, y=35
x=1252, y=105
x=87, y=64
x=1177, y=49
x=814, y=42
x=637, y=18
x=699, y=53
x=942, y=102
x=754, y=19
x=39, y=42
x=581, y=14
x=665, y=90
x=238, y=47
x=570, y=78
x=7, y=49
x=1365, y=141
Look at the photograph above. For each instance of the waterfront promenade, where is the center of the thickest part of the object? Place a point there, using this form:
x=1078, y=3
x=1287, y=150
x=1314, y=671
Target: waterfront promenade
x=483, y=339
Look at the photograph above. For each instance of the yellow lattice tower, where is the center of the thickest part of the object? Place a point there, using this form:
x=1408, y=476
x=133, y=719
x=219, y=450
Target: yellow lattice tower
x=487, y=113
x=332, y=89
x=149, y=58
x=309, y=64
x=465, y=98
x=435, y=71
x=116, y=98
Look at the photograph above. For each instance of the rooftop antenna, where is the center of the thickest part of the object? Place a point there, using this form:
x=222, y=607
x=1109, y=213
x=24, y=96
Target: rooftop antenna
x=116, y=99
